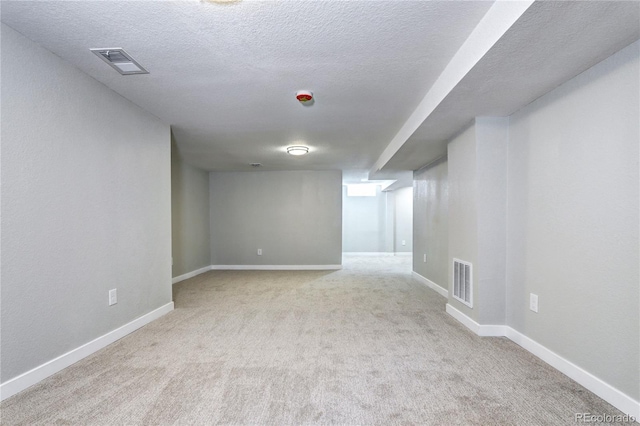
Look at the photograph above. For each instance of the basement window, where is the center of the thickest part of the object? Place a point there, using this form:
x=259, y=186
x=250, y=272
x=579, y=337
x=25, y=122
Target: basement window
x=361, y=190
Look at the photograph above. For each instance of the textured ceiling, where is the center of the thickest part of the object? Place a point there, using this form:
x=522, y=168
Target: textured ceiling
x=550, y=43
x=225, y=76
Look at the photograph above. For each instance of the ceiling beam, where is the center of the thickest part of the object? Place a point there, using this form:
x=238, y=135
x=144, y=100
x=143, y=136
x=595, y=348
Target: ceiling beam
x=497, y=21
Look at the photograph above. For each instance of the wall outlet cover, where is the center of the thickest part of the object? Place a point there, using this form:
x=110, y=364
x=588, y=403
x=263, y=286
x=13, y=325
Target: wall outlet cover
x=533, y=302
x=113, y=297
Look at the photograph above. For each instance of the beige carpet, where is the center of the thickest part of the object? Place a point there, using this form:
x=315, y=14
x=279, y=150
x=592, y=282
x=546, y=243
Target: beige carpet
x=365, y=345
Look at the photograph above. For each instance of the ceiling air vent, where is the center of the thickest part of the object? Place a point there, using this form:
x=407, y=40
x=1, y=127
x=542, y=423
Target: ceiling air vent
x=120, y=60
x=462, y=282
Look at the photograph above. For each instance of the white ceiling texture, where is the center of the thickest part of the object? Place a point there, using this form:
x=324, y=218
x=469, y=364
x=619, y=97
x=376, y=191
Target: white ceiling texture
x=392, y=80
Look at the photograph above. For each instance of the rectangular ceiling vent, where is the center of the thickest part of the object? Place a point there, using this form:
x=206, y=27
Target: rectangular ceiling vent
x=120, y=60
x=463, y=282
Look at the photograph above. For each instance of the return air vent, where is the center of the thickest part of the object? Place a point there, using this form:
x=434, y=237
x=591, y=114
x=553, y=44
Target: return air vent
x=119, y=60
x=463, y=282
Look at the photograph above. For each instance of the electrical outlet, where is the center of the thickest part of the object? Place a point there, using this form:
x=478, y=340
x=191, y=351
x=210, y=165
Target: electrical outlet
x=425, y=258
x=533, y=302
x=259, y=252
x=404, y=243
x=113, y=297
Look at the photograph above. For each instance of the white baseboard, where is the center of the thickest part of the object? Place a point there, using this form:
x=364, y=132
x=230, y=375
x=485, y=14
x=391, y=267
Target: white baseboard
x=613, y=396
x=433, y=286
x=31, y=377
x=462, y=318
x=480, y=330
x=190, y=274
x=276, y=267
x=368, y=253
x=255, y=268
x=604, y=390
x=377, y=253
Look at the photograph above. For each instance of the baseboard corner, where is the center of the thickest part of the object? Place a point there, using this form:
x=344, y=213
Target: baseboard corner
x=490, y=330
x=191, y=274
x=433, y=286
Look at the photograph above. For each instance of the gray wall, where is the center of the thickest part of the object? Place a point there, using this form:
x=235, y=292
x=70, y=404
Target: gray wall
x=365, y=222
x=86, y=207
x=573, y=220
x=546, y=202
x=477, y=209
x=294, y=217
x=492, y=136
x=431, y=223
x=390, y=220
x=463, y=216
x=190, y=233
x=403, y=219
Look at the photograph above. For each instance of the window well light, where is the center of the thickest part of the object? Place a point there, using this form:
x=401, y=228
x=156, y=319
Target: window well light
x=297, y=150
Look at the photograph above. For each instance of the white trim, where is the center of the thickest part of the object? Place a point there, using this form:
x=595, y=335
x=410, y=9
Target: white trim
x=368, y=253
x=31, y=377
x=276, y=267
x=190, y=274
x=480, y=330
x=465, y=320
x=430, y=284
x=377, y=253
x=613, y=396
x=255, y=268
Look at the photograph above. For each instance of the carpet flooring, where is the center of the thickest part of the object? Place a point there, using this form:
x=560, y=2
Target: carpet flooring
x=362, y=346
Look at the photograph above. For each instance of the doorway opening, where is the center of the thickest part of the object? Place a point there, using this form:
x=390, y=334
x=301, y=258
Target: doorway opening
x=377, y=220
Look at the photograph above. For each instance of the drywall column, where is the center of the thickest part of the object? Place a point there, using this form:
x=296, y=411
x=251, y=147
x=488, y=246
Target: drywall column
x=492, y=137
x=190, y=227
x=389, y=221
x=431, y=223
x=463, y=218
x=477, y=215
x=403, y=223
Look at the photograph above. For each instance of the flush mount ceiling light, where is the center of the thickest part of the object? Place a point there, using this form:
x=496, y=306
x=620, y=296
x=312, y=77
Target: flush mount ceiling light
x=119, y=60
x=297, y=150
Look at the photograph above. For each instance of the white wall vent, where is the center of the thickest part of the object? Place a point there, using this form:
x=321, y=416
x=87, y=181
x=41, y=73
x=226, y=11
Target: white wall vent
x=463, y=282
x=119, y=60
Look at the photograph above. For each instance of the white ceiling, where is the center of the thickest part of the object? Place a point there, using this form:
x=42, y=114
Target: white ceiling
x=225, y=75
